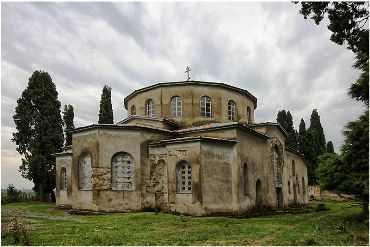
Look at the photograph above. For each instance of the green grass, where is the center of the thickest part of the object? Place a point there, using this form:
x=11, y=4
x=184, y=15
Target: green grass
x=340, y=225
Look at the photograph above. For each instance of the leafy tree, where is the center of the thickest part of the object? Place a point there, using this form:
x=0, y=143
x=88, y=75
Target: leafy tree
x=106, y=110
x=12, y=193
x=348, y=172
x=285, y=119
x=68, y=116
x=39, y=132
x=329, y=147
x=316, y=145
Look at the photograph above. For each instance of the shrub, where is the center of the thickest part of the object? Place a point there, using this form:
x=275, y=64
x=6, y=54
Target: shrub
x=17, y=229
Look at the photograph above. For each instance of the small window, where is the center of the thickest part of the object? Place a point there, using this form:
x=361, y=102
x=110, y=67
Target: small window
x=184, y=183
x=176, y=106
x=249, y=115
x=231, y=107
x=150, y=108
x=205, y=106
x=133, y=110
x=246, y=180
x=289, y=187
x=63, y=178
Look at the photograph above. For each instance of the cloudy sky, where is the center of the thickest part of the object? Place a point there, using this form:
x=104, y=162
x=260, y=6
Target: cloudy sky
x=269, y=49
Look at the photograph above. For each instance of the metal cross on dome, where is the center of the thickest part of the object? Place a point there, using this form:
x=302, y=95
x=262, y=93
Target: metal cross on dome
x=187, y=71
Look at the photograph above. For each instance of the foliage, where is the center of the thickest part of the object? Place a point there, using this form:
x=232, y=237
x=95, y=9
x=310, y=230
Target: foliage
x=285, y=119
x=302, y=137
x=39, y=132
x=329, y=147
x=12, y=194
x=68, y=116
x=316, y=145
x=18, y=230
x=106, y=110
x=349, y=24
x=57, y=227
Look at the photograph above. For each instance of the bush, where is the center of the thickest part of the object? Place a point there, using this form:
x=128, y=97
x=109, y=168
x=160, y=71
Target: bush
x=321, y=207
x=17, y=229
x=12, y=194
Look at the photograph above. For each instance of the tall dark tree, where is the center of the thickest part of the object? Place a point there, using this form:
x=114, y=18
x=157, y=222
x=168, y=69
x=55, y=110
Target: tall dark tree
x=302, y=137
x=316, y=145
x=106, y=110
x=68, y=116
x=329, y=147
x=39, y=132
x=285, y=119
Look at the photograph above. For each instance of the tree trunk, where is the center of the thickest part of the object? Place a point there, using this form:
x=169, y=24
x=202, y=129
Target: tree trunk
x=42, y=192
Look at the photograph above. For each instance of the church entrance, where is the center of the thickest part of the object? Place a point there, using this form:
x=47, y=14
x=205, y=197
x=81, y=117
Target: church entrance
x=279, y=197
x=258, y=195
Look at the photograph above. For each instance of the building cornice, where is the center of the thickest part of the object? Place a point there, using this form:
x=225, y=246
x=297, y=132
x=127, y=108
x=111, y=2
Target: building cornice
x=119, y=126
x=193, y=139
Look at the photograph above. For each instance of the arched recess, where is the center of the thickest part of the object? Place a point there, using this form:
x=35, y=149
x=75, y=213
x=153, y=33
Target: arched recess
x=249, y=115
x=133, y=110
x=123, y=172
x=184, y=179
x=231, y=109
x=85, y=172
x=259, y=199
x=63, y=178
x=246, y=179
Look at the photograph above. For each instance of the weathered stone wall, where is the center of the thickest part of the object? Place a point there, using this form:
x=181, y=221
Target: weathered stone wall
x=191, y=95
x=63, y=197
x=218, y=170
x=102, y=144
x=298, y=187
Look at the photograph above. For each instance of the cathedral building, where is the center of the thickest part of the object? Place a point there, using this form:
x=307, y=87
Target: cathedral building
x=191, y=147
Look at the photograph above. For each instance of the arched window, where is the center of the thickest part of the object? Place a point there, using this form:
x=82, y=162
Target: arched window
x=246, y=180
x=85, y=172
x=303, y=187
x=289, y=187
x=231, y=108
x=298, y=184
x=176, y=106
x=63, y=179
x=293, y=168
x=205, y=106
x=184, y=177
x=133, y=110
x=249, y=115
x=150, y=108
x=123, y=172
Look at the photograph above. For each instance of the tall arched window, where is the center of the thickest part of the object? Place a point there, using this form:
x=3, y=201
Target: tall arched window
x=246, y=180
x=85, y=172
x=184, y=177
x=205, y=106
x=249, y=115
x=123, y=172
x=293, y=168
x=289, y=187
x=231, y=108
x=150, y=108
x=133, y=110
x=63, y=179
x=176, y=106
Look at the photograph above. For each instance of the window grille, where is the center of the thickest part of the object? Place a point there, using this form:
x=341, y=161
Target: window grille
x=63, y=179
x=231, y=107
x=85, y=173
x=184, y=178
x=150, y=108
x=123, y=172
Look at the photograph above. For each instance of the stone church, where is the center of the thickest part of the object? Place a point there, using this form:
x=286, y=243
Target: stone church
x=191, y=147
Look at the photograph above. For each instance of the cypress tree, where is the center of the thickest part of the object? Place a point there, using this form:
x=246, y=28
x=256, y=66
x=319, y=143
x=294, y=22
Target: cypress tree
x=329, y=147
x=106, y=110
x=302, y=137
x=316, y=145
x=285, y=119
x=39, y=132
x=68, y=116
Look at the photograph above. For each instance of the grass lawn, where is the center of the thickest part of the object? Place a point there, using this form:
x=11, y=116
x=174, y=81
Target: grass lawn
x=340, y=225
